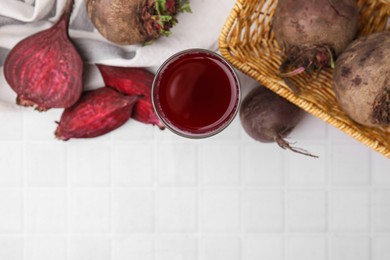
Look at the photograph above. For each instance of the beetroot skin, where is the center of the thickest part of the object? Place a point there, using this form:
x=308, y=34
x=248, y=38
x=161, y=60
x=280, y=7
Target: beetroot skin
x=268, y=117
x=135, y=21
x=96, y=113
x=313, y=33
x=45, y=69
x=133, y=81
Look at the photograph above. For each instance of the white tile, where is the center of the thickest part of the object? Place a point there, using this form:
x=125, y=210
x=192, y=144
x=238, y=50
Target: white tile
x=177, y=164
x=220, y=248
x=381, y=248
x=258, y=168
x=11, y=248
x=247, y=83
x=45, y=248
x=306, y=211
x=90, y=211
x=40, y=125
x=263, y=211
x=350, y=211
x=350, y=164
x=132, y=164
x=305, y=171
x=219, y=211
x=338, y=135
x=176, y=210
x=11, y=212
x=11, y=125
x=178, y=248
x=133, y=130
x=219, y=164
x=45, y=164
x=305, y=131
x=89, y=164
x=11, y=164
x=380, y=169
x=136, y=247
x=90, y=248
x=133, y=211
x=306, y=248
x=45, y=211
x=231, y=132
x=268, y=247
x=167, y=135
x=381, y=210
x=350, y=248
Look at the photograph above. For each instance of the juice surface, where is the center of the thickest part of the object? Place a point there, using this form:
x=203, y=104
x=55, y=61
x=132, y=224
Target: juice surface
x=197, y=92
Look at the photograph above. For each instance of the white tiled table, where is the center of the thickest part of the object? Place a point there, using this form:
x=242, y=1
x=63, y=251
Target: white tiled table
x=145, y=194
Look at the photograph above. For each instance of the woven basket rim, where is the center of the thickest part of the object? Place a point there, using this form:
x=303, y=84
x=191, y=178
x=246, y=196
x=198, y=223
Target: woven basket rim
x=306, y=105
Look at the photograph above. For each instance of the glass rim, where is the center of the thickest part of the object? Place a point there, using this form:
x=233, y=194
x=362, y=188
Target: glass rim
x=223, y=125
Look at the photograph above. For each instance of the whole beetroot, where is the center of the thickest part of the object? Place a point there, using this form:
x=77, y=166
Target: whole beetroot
x=134, y=21
x=45, y=69
x=267, y=117
x=362, y=80
x=96, y=113
x=313, y=32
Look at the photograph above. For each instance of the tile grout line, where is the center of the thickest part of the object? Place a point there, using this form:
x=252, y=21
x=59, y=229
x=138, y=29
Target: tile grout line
x=68, y=203
x=110, y=169
x=241, y=200
x=371, y=207
x=155, y=177
x=24, y=183
x=284, y=203
x=329, y=195
x=198, y=206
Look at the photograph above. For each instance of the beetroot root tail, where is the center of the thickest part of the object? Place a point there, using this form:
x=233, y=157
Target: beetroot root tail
x=286, y=145
x=286, y=76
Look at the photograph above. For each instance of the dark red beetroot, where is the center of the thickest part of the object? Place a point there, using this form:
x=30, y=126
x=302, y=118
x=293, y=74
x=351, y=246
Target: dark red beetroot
x=45, y=69
x=133, y=81
x=267, y=117
x=313, y=33
x=96, y=113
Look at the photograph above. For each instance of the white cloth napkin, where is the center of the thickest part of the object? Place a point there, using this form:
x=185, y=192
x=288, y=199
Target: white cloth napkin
x=20, y=18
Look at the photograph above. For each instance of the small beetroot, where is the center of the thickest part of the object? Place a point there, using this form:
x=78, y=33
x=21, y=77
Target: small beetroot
x=45, y=69
x=268, y=117
x=133, y=81
x=96, y=113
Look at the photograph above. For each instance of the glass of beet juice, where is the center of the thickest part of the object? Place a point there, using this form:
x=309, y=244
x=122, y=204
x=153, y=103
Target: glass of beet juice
x=196, y=93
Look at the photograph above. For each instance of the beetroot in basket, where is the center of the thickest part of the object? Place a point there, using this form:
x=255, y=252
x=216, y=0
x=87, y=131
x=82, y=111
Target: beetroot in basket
x=362, y=80
x=313, y=33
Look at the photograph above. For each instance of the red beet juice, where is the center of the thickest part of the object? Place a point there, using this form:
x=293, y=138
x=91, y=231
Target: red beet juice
x=196, y=93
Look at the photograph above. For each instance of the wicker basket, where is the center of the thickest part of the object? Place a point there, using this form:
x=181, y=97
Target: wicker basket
x=247, y=42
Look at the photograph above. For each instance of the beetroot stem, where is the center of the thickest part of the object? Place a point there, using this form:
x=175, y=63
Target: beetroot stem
x=65, y=16
x=331, y=61
x=68, y=7
x=282, y=70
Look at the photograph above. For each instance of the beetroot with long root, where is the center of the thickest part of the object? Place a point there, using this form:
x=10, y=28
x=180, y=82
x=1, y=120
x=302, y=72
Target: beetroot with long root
x=133, y=81
x=267, y=117
x=45, y=69
x=135, y=21
x=362, y=80
x=313, y=33
x=96, y=113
